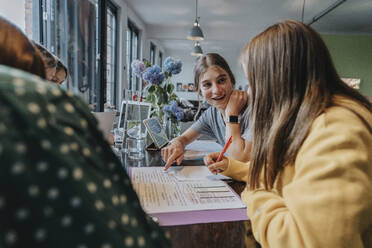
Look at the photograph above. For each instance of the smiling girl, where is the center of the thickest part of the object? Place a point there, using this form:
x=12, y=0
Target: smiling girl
x=227, y=116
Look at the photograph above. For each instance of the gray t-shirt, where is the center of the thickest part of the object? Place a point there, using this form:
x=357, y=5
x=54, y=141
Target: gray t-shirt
x=212, y=124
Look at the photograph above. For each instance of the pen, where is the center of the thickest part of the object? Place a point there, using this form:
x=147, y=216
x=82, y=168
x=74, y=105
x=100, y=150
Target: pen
x=228, y=142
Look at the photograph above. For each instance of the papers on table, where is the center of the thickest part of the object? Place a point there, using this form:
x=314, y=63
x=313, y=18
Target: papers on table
x=199, y=148
x=161, y=192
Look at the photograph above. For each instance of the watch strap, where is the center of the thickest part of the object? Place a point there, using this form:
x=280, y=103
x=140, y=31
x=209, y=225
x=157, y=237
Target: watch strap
x=232, y=119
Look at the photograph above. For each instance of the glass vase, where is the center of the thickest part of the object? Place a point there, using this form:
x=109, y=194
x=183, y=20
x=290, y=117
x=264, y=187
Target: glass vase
x=173, y=129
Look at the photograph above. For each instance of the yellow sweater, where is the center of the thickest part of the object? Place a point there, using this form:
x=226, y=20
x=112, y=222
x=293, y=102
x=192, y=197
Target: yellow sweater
x=325, y=198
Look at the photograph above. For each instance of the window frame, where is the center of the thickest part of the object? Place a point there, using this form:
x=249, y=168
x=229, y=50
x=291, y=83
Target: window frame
x=132, y=33
x=110, y=6
x=54, y=38
x=160, y=59
x=44, y=27
x=152, y=53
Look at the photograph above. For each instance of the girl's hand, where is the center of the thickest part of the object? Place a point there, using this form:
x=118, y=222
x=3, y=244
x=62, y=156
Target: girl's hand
x=215, y=168
x=238, y=99
x=171, y=153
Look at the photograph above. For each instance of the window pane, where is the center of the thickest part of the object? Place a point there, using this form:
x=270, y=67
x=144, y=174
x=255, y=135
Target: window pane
x=132, y=54
x=161, y=60
x=68, y=33
x=111, y=59
x=152, y=53
x=129, y=69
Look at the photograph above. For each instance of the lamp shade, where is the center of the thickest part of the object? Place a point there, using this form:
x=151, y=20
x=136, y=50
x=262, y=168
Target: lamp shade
x=195, y=32
x=197, y=50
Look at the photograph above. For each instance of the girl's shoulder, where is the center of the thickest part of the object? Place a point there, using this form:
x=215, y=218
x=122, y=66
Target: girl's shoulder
x=344, y=114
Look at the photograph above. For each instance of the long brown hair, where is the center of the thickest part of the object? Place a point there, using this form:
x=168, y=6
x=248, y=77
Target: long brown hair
x=50, y=61
x=208, y=60
x=292, y=80
x=17, y=51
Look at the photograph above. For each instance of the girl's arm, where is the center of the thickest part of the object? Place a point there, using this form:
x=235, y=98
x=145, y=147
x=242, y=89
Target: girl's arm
x=240, y=149
x=174, y=152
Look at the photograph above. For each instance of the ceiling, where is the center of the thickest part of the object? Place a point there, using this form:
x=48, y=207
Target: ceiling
x=229, y=24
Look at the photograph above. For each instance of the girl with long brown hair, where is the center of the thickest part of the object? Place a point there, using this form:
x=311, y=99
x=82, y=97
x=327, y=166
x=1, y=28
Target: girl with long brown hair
x=309, y=181
x=215, y=83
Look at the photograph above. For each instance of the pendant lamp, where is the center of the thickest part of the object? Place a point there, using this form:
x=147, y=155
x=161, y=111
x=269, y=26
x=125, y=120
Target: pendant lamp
x=195, y=32
x=197, y=50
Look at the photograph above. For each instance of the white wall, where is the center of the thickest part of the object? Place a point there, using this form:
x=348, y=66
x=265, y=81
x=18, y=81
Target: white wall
x=14, y=11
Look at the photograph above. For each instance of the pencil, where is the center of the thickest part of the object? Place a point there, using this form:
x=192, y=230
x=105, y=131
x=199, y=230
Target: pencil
x=228, y=142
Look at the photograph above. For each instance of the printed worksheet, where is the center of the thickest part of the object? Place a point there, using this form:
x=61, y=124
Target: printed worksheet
x=162, y=192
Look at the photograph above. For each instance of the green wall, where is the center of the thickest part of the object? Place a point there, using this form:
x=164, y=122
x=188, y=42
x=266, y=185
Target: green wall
x=352, y=55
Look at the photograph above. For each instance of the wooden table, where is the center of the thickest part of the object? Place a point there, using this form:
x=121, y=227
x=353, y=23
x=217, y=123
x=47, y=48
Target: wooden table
x=223, y=234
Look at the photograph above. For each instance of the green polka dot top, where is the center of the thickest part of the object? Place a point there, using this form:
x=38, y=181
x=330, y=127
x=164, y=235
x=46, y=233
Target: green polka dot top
x=60, y=183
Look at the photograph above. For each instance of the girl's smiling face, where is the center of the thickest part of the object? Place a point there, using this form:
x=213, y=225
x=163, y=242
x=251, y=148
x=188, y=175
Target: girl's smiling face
x=215, y=85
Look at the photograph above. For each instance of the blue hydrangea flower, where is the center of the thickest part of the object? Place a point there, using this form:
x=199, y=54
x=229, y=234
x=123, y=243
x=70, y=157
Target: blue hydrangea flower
x=174, y=107
x=153, y=75
x=173, y=66
x=179, y=115
x=166, y=109
x=138, y=67
x=173, y=110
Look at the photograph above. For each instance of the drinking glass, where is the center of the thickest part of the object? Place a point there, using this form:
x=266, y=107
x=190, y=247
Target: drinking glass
x=136, y=148
x=118, y=138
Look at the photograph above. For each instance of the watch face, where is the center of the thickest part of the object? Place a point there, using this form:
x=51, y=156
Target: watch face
x=233, y=119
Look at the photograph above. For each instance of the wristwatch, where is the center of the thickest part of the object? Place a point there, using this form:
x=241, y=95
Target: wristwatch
x=232, y=119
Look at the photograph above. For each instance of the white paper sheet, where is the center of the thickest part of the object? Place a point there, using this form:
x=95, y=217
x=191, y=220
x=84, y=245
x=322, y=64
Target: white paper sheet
x=161, y=192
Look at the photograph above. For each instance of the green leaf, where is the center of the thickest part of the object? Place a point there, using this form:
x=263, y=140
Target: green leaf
x=171, y=98
x=157, y=90
x=165, y=96
x=161, y=99
x=149, y=98
x=170, y=88
x=166, y=74
x=151, y=89
x=154, y=112
x=147, y=63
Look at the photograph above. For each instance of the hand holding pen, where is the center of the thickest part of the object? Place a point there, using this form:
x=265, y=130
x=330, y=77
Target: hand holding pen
x=216, y=162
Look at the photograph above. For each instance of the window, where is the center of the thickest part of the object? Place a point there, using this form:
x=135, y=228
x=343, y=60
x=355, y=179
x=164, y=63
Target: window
x=32, y=20
x=66, y=30
x=132, y=54
x=152, y=53
x=83, y=34
x=161, y=60
x=111, y=60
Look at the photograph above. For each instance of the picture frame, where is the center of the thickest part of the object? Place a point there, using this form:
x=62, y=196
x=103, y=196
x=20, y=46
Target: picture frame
x=190, y=87
x=179, y=87
x=133, y=111
x=156, y=132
